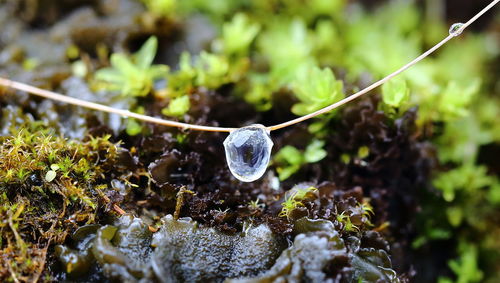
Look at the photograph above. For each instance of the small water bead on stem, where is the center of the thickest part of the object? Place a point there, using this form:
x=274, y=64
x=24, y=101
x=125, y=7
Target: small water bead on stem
x=456, y=29
x=248, y=152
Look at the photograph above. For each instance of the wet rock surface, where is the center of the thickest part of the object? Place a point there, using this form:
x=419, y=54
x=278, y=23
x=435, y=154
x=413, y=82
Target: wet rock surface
x=180, y=251
x=186, y=253
x=319, y=254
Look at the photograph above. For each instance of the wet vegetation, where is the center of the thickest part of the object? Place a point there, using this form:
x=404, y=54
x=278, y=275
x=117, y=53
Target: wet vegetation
x=400, y=186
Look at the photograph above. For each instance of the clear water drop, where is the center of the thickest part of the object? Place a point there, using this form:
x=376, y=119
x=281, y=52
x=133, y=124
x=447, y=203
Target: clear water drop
x=248, y=151
x=455, y=29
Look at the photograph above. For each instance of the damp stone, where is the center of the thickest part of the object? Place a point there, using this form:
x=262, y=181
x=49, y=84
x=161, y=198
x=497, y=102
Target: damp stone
x=248, y=151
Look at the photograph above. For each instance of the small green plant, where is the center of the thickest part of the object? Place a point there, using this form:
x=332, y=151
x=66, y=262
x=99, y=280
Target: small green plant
x=456, y=99
x=177, y=107
x=208, y=70
x=361, y=215
x=238, y=34
x=294, y=199
x=289, y=159
x=315, y=88
x=58, y=179
x=255, y=205
x=346, y=222
x=133, y=76
x=52, y=173
x=166, y=8
x=26, y=153
x=463, y=180
x=259, y=94
x=287, y=46
x=212, y=70
x=395, y=93
x=466, y=267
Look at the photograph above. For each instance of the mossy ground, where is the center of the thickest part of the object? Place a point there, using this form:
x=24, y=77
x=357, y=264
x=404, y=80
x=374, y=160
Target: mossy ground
x=402, y=180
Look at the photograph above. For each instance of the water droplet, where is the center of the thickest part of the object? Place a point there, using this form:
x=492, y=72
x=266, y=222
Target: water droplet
x=455, y=29
x=248, y=151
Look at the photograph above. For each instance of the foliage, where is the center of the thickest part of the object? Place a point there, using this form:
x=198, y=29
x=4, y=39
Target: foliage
x=467, y=178
x=212, y=70
x=466, y=267
x=395, y=93
x=283, y=60
x=468, y=188
x=289, y=159
x=315, y=88
x=288, y=47
x=133, y=76
x=456, y=98
x=26, y=152
x=167, y=8
x=177, y=107
x=294, y=199
x=56, y=177
x=238, y=34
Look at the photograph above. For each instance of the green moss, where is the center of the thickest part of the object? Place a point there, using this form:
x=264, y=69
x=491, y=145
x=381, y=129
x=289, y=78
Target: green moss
x=56, y=178
x=289, y=159
x=294, y=199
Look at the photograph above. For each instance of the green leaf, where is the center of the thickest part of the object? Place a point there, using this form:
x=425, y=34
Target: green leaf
x=157, y=71
x=466, y=267
x=494, y=193
x=286, y=172
x=212, y=64
x=288, y=46
x=122, y=64
x=185, y=63
x=166, y=8
x=177, y=107
x=133, y=127
x=238, y=34
x=456, y=98
x=289, y=159
x=363, y=152
x=50, y=176
x=259, y=95
x=290, y=155
x=211, y=69
x=455, y=216
x=145, y=56
x=110, y=75
x=133, y=77
x=314, y=151
x=468, y=178
x=395, y=92
x=315, y=88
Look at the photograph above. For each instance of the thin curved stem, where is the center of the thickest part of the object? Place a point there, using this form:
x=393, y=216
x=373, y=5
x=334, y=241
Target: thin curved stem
x=361, y=92
x=478, y=15
x=99, y=107
x=125, y=113
x=387, y=78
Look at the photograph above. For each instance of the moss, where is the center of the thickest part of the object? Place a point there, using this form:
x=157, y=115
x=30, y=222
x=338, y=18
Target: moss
x=294, y=198
x=39, y=209
x=250, y=62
